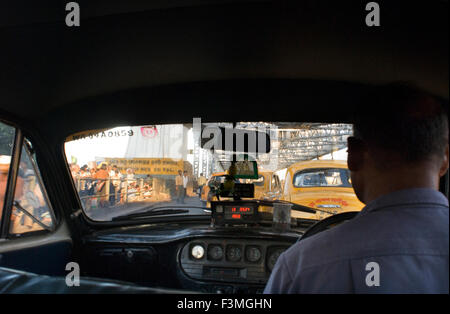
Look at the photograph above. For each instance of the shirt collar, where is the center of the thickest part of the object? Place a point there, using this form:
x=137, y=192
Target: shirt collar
x=405, y=197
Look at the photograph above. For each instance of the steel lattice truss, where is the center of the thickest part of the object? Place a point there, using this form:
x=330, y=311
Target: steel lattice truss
x=290, y=143
x=294, y=142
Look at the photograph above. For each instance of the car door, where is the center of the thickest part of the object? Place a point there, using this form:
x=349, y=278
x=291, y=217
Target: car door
x=33, y=237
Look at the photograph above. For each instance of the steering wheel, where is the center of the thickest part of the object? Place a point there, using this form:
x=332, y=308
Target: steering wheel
x=327, y=223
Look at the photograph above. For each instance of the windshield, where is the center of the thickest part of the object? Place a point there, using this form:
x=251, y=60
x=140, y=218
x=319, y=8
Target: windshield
x=328, y=177
x=127, y=170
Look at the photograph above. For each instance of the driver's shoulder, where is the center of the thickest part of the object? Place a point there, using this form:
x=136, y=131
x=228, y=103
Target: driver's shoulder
x=336, y=243
x=384, y=232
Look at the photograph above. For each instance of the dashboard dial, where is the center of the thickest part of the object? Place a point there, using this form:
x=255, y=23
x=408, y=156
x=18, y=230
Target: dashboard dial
x=273, y=257
x=253, y=254
x=215, y=252
x=234, y=253
x=197, y=251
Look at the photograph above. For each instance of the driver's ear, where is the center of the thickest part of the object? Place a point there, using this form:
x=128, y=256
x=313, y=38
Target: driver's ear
x=356, y=148
x=444, y=165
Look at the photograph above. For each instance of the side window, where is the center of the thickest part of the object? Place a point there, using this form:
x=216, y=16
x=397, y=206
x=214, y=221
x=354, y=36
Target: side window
x=7, y=134
x=31, y=209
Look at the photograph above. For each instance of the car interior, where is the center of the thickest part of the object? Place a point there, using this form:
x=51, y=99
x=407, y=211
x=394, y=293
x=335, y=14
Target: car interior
x=149, y=68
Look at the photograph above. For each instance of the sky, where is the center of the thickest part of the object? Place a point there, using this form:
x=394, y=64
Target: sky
x=87, y=150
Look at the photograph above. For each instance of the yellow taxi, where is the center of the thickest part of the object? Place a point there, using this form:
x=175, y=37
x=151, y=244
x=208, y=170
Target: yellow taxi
x=267, y=186
x=321, y=184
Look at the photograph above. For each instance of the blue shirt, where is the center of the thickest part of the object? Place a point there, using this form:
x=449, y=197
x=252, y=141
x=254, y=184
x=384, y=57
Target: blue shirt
x=405, y=233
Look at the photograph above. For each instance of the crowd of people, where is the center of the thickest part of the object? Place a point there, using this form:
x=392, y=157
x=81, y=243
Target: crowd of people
x=105, y=186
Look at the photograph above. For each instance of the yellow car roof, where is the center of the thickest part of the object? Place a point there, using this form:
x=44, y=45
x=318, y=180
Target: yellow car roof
x=318, y=164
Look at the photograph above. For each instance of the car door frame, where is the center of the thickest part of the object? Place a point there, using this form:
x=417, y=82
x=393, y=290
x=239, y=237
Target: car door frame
x=41, y=252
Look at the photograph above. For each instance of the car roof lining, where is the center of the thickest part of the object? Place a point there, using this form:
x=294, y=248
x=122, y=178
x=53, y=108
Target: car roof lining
x=213, y=101
x=122, y=64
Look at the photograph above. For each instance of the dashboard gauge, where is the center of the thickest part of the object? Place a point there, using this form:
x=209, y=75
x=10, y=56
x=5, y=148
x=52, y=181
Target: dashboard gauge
x=273, y=257
x=215, y=252
x=234, y=253
x=253, y=254
x=197, y=251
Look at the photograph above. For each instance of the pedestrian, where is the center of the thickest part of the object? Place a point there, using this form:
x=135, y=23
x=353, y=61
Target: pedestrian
x=201, y=183
x=185, y=183
x=102, y=177
x=179, y=186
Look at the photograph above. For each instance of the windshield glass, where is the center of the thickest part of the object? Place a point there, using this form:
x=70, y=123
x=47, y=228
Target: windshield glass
x=133, y=169
x=328, y=177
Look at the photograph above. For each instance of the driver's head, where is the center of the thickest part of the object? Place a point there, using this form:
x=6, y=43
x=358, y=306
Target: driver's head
x=400, y=141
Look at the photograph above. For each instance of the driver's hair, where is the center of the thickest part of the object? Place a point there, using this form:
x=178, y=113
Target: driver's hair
x=402, y=119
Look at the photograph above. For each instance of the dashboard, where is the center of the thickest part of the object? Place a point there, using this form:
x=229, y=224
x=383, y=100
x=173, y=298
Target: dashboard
x=235, y=261
x=195, y=257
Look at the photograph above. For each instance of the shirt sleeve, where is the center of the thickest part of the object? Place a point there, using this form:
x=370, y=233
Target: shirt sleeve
x=280, y=280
